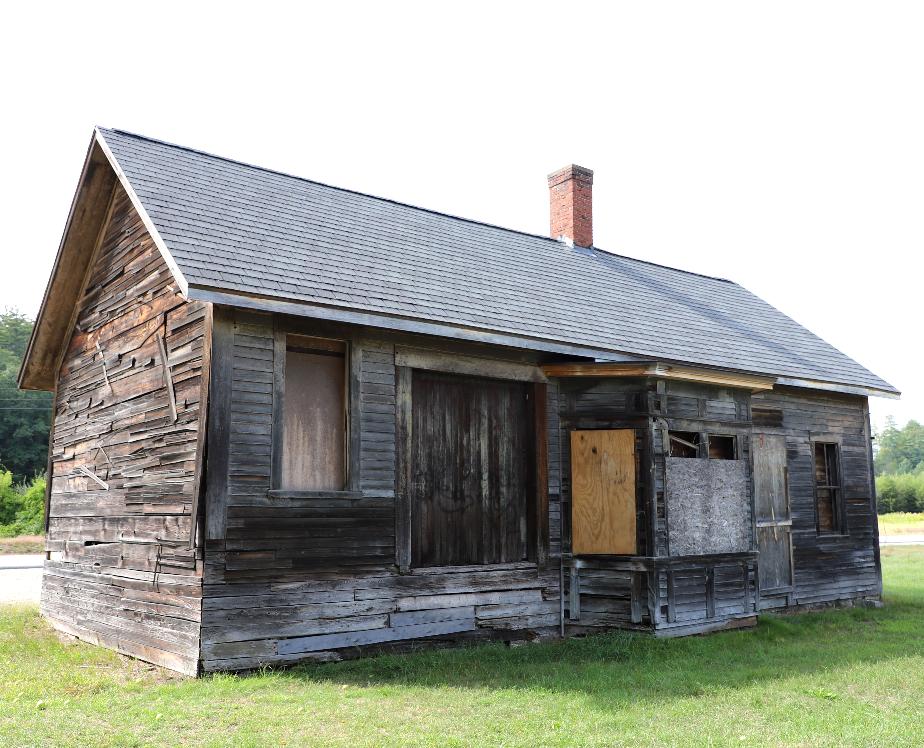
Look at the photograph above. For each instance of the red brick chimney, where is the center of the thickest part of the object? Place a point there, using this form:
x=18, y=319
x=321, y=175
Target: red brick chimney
x=571, y=203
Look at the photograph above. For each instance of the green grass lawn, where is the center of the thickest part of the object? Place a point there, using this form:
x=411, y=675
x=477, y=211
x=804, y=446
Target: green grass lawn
x=845, y=677
x=896, y=523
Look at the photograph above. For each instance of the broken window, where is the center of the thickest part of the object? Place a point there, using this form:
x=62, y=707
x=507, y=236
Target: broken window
x=314, y=415
x=828, y=510
x=684, y=443
x=722, y=447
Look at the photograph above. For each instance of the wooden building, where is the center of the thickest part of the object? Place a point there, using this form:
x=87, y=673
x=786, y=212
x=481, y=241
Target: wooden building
x=297, y=422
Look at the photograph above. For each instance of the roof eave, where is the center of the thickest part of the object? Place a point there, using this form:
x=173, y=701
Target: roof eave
x=87, y=211
x=397, y=323
x=79, y=240
x=755, y=380
x=847, y=389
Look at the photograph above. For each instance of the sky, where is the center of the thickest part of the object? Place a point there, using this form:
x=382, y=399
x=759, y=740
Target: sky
x=780, y=145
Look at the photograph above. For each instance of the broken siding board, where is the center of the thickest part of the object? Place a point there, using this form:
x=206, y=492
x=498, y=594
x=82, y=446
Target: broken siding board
x=338, y=641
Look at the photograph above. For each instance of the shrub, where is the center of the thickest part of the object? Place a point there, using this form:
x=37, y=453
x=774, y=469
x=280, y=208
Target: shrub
x=900, y=493
x=22, y=507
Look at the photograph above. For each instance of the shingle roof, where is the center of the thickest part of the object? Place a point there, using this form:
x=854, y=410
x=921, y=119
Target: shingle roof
x=241, y=229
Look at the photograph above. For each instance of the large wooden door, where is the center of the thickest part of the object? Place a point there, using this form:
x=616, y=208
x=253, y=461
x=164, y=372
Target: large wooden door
x=774, y=520
x=471, y=470
x=603, y=492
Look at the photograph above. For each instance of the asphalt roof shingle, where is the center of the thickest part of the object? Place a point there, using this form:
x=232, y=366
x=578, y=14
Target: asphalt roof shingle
x=242, y=229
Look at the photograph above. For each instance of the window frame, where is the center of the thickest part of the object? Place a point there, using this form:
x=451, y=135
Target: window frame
x=839, y=520
x=736, y=448
x=351, y=451
x=675, y=434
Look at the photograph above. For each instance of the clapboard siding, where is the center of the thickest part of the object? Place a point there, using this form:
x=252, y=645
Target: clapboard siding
x=377, y=415
x=314, y=576
x=121, y=571
x=828, y=568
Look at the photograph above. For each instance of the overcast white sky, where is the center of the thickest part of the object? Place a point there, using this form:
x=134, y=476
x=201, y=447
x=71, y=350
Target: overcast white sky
x=780, y=145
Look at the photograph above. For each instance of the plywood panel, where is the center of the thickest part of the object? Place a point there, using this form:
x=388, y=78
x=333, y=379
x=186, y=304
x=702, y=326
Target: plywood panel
x=708, y=506
x=603, y=491
x=313, y=440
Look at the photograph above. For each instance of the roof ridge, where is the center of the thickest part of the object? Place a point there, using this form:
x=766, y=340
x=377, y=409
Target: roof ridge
x=391, y=201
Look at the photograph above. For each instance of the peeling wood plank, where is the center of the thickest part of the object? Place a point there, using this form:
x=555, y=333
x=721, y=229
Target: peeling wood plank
x=93, y=476
x=168, y=377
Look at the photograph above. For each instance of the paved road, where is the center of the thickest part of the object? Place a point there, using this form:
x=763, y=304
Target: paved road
x=20, y=577
x=901, y=539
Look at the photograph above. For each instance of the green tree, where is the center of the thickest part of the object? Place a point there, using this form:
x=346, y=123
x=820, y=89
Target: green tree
x=25, y=417
x=900, y=451
x=22, y=507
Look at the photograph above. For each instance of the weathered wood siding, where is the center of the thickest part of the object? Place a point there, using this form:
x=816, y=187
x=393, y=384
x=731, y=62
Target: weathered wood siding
x=600, y=593
x=121, y=572
x=313, y=575
x=667, y=591
x=828, y=568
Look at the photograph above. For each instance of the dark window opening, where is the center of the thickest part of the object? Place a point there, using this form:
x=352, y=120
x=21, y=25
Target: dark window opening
x=722, y=447
x=684, y=443
x=828, y=495
x=314, y=415
x=770, y=417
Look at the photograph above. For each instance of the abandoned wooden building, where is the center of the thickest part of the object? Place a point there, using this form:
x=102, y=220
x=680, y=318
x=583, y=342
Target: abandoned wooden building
x=296, y=422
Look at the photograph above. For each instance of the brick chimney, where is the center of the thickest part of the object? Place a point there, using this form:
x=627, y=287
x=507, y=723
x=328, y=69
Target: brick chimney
x=571, y=203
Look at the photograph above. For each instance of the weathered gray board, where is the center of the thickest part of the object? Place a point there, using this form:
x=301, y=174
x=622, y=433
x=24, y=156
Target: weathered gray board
x=126, y=455
x=304, y=574
x=708, y=506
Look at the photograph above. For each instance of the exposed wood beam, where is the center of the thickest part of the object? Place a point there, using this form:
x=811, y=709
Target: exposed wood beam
x=664, y=371
x=451, y=363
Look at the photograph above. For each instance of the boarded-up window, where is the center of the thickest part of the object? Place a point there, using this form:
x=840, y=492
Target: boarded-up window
x=472, y=458
x=314, y=415
x=828, y=488
x=603, y=492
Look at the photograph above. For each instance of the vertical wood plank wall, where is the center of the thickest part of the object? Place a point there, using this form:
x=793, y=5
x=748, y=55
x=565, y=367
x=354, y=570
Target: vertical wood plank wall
x=121, y=572
x=310, y=576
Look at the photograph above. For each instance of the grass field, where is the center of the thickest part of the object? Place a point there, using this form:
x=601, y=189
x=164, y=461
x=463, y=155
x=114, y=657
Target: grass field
x=897, y=523
x=845, y=677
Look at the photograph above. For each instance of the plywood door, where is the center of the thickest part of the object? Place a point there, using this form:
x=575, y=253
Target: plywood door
x=603, y=492
x=774, y=521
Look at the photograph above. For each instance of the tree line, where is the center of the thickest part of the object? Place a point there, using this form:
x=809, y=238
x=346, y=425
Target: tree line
x=900, y=467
